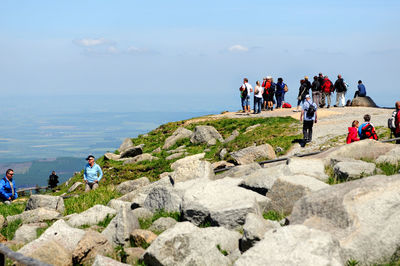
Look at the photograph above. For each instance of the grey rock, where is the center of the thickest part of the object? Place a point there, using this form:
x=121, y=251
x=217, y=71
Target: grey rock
x=132, y=152
x=140, y=237
x=50, y=252
x=142, y=213
x=363, y=101
x=140, y=158
x=353, y=170
x=134, y=254
x=50, y=202
x=310, y=167
x=223, y=153
x=162, y=224
x=251, y=154
x=112, y=156
x=91, y=216
x=131, y=185
x=232, y=137
x=294, y=245
x=118, y=230
x=206, y=134
x=158, y=150
x=163, y=198
x=125, y=145
x=221, y=202
x=180, y=133
x=221, y=165
x=27, y=232
x=391, y=157
x=74, y=186
x=362, y=214
x=179, y=149
x=35, y=216
x=106, y=261
x=239, y=171
x=262, y=180
x=2, y=221
x=118, y=204
x=191, y=167
x=186, y=244
x=92, y=243
x=251, y=128
x=288, y=189
x=254, y=229
x=174, y=156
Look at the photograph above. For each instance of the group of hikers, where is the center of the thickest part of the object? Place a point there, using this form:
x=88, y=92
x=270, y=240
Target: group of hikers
x=268, y=94
x=92, y=175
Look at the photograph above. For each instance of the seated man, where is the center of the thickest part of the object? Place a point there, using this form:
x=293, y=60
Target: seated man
x=361, y=91
x=8, y=191
x=367, y=130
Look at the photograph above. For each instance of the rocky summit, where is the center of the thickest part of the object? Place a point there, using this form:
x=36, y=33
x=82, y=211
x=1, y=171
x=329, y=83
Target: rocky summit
x=237, y=191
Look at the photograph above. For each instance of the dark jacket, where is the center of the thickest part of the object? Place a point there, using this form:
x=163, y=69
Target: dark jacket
x=53, y=180
x=5, y=189
x=340, y=86
x=308, y=84
x=321, y=82
x=316, y=86
x=303, y=90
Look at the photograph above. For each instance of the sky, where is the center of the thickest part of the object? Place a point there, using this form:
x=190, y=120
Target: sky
x=81, y=55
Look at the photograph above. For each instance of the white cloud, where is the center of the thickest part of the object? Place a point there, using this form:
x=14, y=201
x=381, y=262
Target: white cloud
x=136, y=50
x=92, y=42
x=238, y=48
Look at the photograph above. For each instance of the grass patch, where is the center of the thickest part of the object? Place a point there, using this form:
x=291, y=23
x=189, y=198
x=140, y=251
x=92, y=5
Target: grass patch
x=273, y=215
x=106, y=221
x=13, y=209
x=9, y=230
x=223, y=251
x=389, y=169
x=146, y=223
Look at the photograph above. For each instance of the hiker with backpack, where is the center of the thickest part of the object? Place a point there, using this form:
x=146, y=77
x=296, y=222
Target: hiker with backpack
x=271, y=94
x=327, y=89
x=245, y=91
x=281, y=89
x=303, y=91
x=367, y=130
x=258, y=91
x=394, y=122
x=341, y=89
x=266, y=85
x=309, y=116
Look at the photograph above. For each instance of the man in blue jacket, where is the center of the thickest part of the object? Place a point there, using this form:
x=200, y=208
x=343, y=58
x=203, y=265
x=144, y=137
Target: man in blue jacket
x=8, y=191
x=92, y=174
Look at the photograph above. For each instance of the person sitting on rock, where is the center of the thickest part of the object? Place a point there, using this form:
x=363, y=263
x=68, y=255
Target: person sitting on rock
x=361, y=92
x=92, y=174
x=367, y=130
x=8, y=191
x=352, y=136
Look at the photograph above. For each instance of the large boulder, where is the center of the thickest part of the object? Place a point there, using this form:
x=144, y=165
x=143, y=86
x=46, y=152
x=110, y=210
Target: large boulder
x=186, y=244
x=35, y=216
x=51, y=252
x=262, y=179
x=125, y=145
x=91, y=244
x=118, y=230
x=132, y=151
x=28, y=232
x=206, y=134
x=131, y=185
x=288, y=189
x=191, y=167
x=294, y=245
x=118, y=204
x=180, y=133
x=162, y=224
x=232, y=137
x=106, y=261
x=391, y=157
x=50, y=202
x=91, y=216
x=362, y=214
x=363, y=102
x=310, y=167
x=163, y=198
x=221, y=202
x=353, y=169
x=239, y=171
x=140, y=158
x=254, y=230
x=112, y=156
x=251, y=154
x=140, y=237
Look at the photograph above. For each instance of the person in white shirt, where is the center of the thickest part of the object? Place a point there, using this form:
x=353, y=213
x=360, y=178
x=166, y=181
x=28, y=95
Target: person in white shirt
x=245, y=91
x=258, y=98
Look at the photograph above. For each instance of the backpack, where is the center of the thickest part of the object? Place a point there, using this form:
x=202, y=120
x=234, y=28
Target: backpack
x=392, y=121
x=368, y=132
x=311, y=110
x=286, y=105
x=244, y=91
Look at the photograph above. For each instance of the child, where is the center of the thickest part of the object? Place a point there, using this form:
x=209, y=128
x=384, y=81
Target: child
x=352, y=136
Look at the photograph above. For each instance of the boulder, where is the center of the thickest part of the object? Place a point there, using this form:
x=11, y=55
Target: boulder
x=363, y=102
x=61, y=233
x=288, y=189
x=294, y=245
x=35, y=216
x=125, y=145
x=353, y=170
x=2, y=221
x=174, y=156
x=91, y=216
x=232, y=137
x=179, y=149
x=118, y=204
x=262, y=179
x=142, y=213
x=310, y=167
x=186, y=244
x=251, y=154
x=50, y=202
x=180, y=133
x=140, y=158
x=51, y=252
x=27, y=232
x=223, y=153
x=191, y=167
x=254, y=229
x=221, y=202
x=131, y=185
x=92, y=243
x=158, y=150
x=391, y=157
x=221, y=165
x=239, y=171
x=162, y=224
x=106, y=261
x=112, y=156
x=118, y=230
x=134, y=254
x=163, y=198
x=362, y=214
x=74, y=186
x=132, y=151
x=206, y=134
x=140, y=237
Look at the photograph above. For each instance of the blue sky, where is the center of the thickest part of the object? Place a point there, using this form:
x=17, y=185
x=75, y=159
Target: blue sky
x=189, y=55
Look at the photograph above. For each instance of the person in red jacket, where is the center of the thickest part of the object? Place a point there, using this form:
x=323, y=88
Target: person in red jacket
x=353, y=132
x=397, y=122
x=327, y=89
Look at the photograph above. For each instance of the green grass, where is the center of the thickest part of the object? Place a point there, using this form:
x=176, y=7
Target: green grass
x=389, y=169
x=146, y=223
x=13, y=209
x=274, y=216
x=9, y=230
x=223, y=251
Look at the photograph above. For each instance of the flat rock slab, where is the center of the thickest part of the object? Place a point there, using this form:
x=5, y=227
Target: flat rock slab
x=240, y=171
x=180, y=133
x=262, y=179
x=35, y=216
x=91, y=216
x=74, y=186
x=45, y=201
x=162, y=224
x=251, y=154
x=28, y=232
x=132, y=151
x=106, y=261
x=131, y=185
x=353, y=170
x=309, y=167
x=206, y=134
x=92, y=243
x=191, y=167
x=140, y=158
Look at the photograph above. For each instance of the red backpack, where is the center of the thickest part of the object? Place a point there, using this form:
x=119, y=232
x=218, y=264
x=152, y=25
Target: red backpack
x=368, y=132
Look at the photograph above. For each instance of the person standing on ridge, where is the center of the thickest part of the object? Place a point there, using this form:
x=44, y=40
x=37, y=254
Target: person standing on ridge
x=266, y=85
x=341, y=89
x=271, y=94
x=303, y=91
x=8, y=190
x=316, y=94
x=280, y=92
x=321, y=81
x=53, y=180
x=245, y=90
x=327, y=88
x=361, y=92
x=309, y=116
x=258, y=91
x=92, y=174
x=397, y=122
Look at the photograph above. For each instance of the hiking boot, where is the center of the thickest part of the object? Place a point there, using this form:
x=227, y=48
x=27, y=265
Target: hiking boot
x=327, y=106
x=335, y=105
